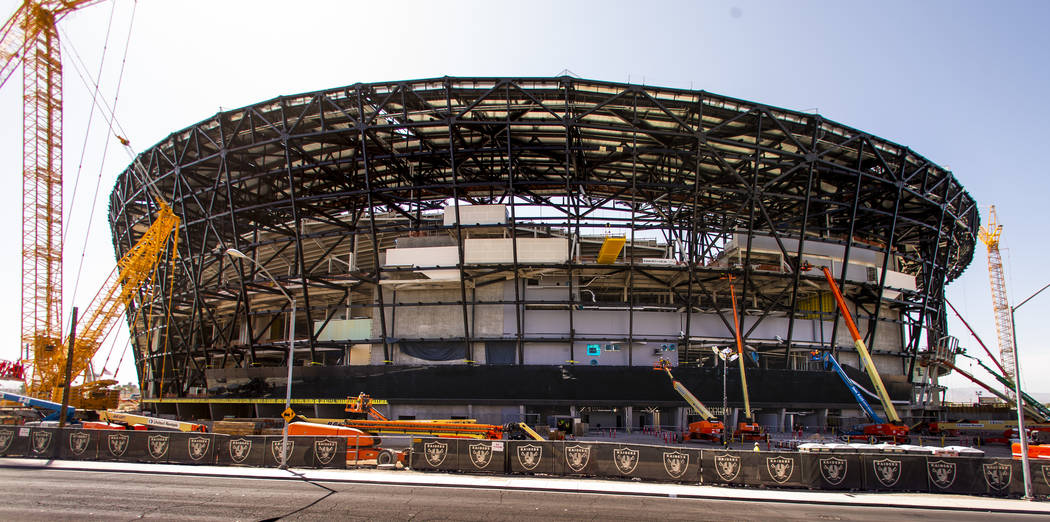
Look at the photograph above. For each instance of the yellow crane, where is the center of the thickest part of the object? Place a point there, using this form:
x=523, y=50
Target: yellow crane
x=989, y=235
x=30, y=38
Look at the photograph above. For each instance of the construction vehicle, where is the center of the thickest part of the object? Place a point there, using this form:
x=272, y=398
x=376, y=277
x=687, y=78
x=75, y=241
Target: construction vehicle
x=51, y=409
x=30, y=38
x=131, y=420
x=878, y=430
x=895, y=428
x=748, y=428
x=709, y=427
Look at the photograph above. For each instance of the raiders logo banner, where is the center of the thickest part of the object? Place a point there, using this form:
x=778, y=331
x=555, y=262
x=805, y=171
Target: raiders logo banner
x=157, y=445
x=41, y=443
x=437, y=453
x=198, y=448
x=7, y=441
x=239, y=450
x=896, y=472
x=532, y=456
x=480, y=455
x=575, y=459
x=723, y=467
x=325, y=451
x=781, y=469
x=77, y=444
x=626, y=460
x=831, y=471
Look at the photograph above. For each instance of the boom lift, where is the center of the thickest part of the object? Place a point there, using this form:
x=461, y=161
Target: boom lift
x=709, y=427
x=53, y=408
x=131, y=419
x=880, y=429
x=747, y=428
x=894, y=428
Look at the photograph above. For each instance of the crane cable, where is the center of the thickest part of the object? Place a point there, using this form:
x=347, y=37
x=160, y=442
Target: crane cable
x=91, y=115
x=110, y=122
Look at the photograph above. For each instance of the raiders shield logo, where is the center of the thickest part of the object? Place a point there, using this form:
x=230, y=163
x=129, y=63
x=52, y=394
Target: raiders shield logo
x=997, y=475
x=157, y=445
x=117, y=443
x=626, y=460
x=240, y=449
x=275, y=449
x=833, y=469
x=676, y=463
x=727, y=466
x=6, y=436
x=529, y=456
x=1046, y=474
x=887, y=471
x=435, y=452
x=78, y=442
x=941, y=473
x=324, y=450
x=780, y=468
x=198, y=447
x=41, y=441
x=577, y=457
x=480, y=454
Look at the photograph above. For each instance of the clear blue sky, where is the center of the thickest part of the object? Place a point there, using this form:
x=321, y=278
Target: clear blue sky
x=962, y=83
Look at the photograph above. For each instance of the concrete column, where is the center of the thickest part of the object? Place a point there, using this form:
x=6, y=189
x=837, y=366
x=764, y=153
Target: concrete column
x=681, y=422
x=572, y=411
x=822, y=418
x=733, y=420
x=781, y=417
x=470, y=411
x=628, y=417
x=521, y=413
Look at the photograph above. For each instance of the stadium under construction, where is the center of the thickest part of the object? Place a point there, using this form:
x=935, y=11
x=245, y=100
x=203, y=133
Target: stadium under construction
x=515, y=249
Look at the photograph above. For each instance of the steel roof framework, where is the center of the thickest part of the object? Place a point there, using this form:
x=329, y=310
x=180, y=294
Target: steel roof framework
x=301, y=180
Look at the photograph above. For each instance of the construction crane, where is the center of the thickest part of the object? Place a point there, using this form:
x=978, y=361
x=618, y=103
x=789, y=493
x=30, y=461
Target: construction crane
x=709, y=427
x=895, y=427
x=989, y=235
x=132, y=277
x=30, y=38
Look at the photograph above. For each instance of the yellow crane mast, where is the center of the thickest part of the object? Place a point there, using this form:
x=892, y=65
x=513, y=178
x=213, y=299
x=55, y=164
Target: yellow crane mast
x=990, y=237
x=30, y=37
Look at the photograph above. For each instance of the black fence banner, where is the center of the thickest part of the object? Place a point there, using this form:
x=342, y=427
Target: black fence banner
x=328, y=452
x=1040, y=478
x=78, y=444
x=14, y=441
x=649, y=462
x=432, y=453
x=531, y=456
x=577, y=458
x=300, y=452
x=198, y=448
x=894, y=472
x=954, y=475
x=1000, y=477
x=780, y=469
x=488, y=456
x=724, y=467
x=247, y=450
x=43, y=443
x=832, y=471
x=122, y=445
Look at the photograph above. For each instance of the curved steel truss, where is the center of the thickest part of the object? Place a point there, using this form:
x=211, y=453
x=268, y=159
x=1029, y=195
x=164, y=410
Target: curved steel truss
x=318, y=186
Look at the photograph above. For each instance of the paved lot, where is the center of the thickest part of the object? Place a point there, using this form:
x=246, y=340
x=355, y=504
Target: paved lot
x=49, y=494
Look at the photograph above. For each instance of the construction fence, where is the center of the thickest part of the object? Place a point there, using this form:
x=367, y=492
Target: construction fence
x=781, y=469
x=171, y=447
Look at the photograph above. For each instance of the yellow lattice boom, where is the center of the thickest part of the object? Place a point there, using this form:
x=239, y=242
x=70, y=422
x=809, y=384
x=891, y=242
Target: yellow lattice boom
x=134, y=273
x=1000, y=304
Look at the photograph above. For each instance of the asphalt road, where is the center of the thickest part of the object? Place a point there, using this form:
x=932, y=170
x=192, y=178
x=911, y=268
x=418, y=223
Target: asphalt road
x=38, y=494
